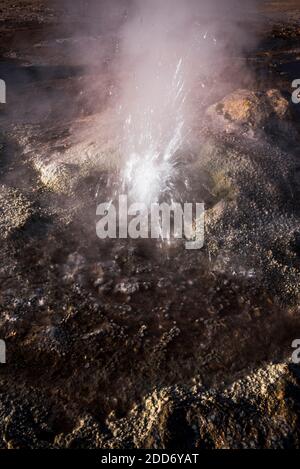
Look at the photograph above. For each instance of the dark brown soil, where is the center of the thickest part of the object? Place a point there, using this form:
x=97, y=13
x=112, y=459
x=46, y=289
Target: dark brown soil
x=123, y=344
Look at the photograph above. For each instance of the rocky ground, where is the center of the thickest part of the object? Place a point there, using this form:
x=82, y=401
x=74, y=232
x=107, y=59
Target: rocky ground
x=130, y=344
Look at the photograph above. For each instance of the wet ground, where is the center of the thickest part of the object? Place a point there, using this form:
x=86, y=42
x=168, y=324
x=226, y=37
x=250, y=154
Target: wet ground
x=92, y=328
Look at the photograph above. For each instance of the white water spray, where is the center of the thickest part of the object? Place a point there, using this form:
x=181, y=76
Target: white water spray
x=152, y=138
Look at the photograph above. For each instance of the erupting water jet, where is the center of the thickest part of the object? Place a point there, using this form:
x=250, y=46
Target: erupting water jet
x=152, y=137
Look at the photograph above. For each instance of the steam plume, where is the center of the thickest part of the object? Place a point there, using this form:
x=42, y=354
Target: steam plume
x=171, y=52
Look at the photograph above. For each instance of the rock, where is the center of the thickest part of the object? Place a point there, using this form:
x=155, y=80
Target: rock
x=15, y=211
x=258, y=411
x=74, y=268
x=98, y=274
x=127, y=287
x=87, y=434
x=249, y=110
x=58, y=176
x=254, y=412
x=279, y=104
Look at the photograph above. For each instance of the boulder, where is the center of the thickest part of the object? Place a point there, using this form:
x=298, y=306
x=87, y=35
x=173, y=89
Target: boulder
x=250, y=110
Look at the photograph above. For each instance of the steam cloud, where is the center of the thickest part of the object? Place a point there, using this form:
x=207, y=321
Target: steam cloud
x=169, y=59
x=171, y=55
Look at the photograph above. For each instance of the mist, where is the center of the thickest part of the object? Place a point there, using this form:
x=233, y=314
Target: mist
x=172, y=55
x=156, y=66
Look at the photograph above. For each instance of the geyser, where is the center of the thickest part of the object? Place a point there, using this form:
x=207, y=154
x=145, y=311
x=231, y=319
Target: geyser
x=170, y=58
x=152, y=135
